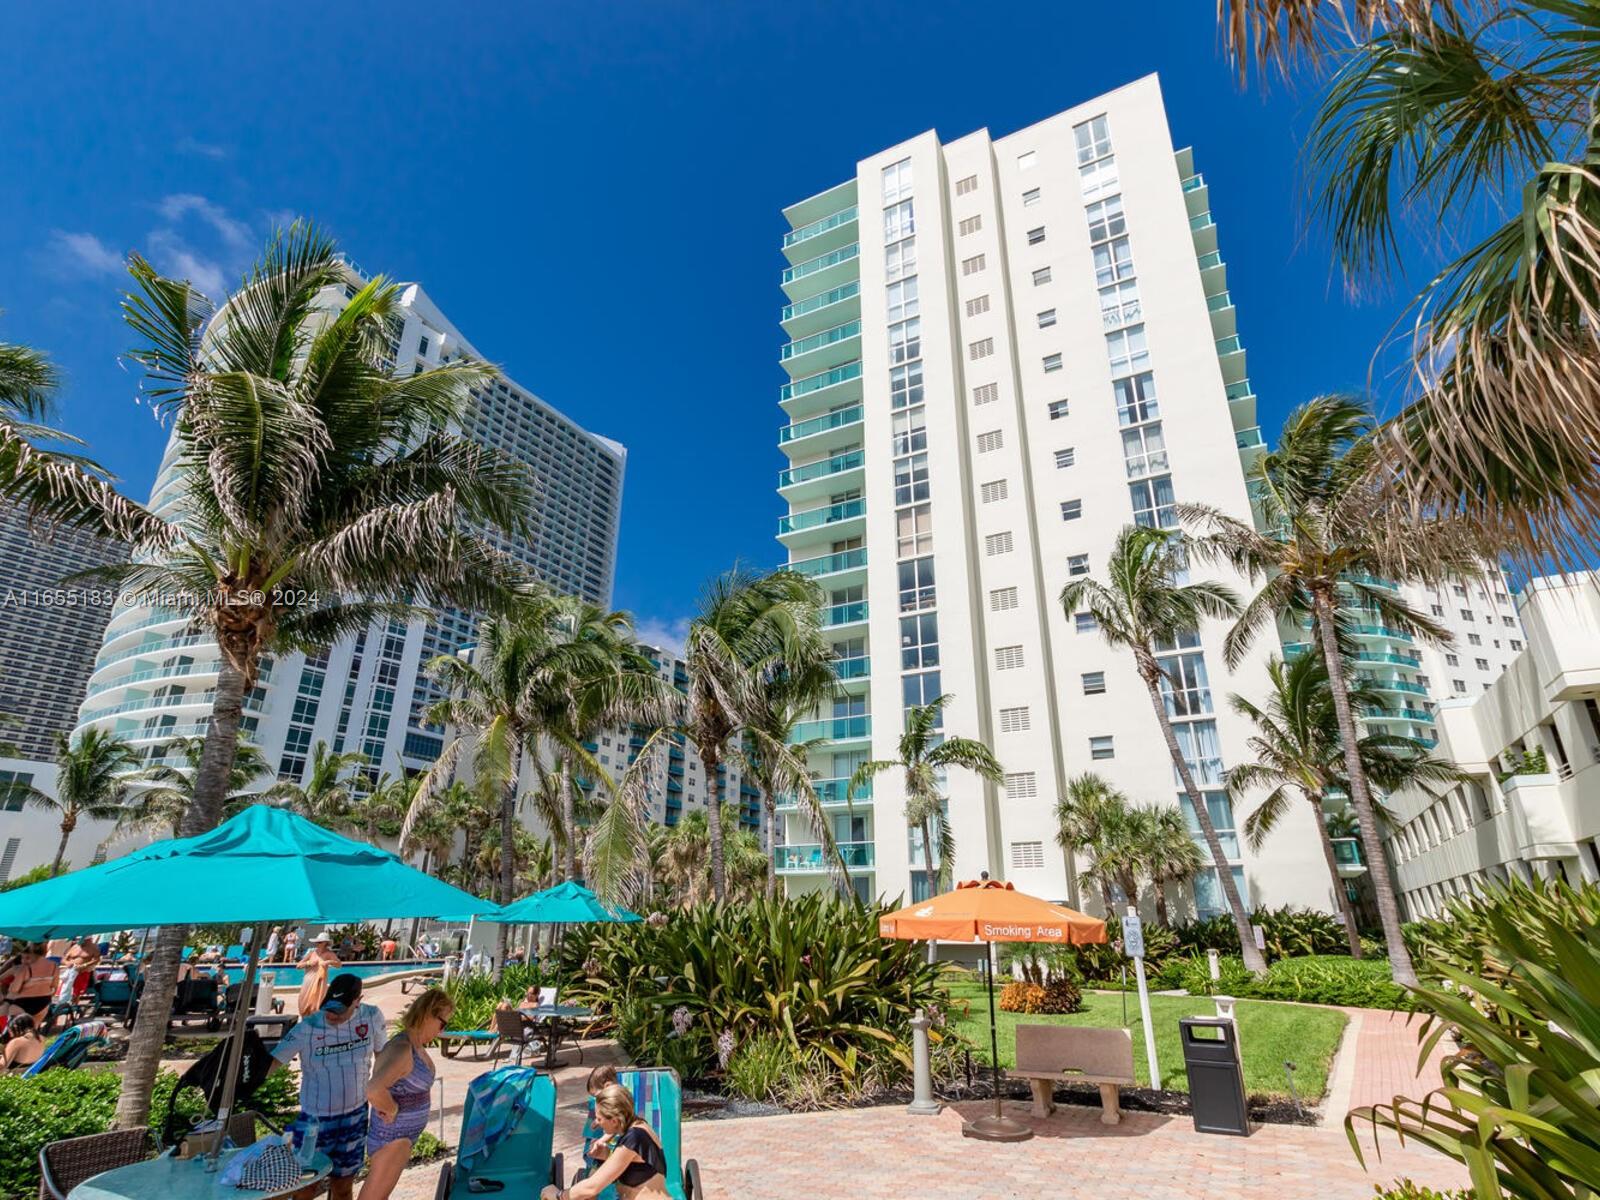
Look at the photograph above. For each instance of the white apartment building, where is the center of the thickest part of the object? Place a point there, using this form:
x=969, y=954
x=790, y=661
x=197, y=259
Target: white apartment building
x=1513, y=818
x=153, y=679
x=1003, y=351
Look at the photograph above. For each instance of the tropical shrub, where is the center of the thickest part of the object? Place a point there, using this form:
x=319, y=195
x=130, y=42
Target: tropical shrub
x=1404, y=1189
x=758, y=1068
x=692, y=991
x=1332, y=979
x=475, y=996
x=1288, y=933
x=364, y=940
x=1062, y=996
x=1103, y=962
x=1234, y=979
x=36, y=875
x=1020, y=996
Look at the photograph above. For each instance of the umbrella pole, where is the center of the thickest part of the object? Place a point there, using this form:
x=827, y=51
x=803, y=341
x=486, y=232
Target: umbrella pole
x=999, y=1127
x=236, y=1042
x=994, y=1035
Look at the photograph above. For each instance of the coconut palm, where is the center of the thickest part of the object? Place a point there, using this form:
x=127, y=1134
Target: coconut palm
x=92, y=776
x=1323, y=556
x=1084, y=812
x=320, y=491
x=161, y=804
x=1168, y=853
x=326, y=795
x=686, y=859
x=1445, y=112
x=617, y=853
x=378, y=812
x=924, y=755
x=1297, y=752
x=749, y=629
x=1140, y=605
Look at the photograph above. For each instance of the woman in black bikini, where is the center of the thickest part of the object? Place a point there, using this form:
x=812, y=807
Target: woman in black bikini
x=632, y=1157
x=28, y=987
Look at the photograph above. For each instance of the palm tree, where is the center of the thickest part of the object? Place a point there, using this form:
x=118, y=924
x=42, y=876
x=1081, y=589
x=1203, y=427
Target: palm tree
x=687, y=864
x=92, y=776
x=378, y=812
x=326, y=796
x=1140, y=606
x=925, y=753
x=1170, y=854
x=1444, y=111
x=1324, y=552
x=320, y=491
x=160, y=809
x=749, y=629
x=1084, y=812
x=1297, y=752
x=617, y=856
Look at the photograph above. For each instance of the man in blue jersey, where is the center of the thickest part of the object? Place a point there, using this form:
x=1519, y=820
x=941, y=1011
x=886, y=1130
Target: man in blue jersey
x=336, y=1046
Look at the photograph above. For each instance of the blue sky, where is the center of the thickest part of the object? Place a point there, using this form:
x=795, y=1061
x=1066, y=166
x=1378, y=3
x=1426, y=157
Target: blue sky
x=592, y=193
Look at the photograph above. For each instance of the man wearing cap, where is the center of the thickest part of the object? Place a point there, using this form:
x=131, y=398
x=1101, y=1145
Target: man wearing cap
x=336, y=1046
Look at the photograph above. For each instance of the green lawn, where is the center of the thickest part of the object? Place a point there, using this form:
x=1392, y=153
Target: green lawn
x=1269, y=1033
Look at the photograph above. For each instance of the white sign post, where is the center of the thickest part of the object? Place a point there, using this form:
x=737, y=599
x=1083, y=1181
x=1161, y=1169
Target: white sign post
x=1133, y=947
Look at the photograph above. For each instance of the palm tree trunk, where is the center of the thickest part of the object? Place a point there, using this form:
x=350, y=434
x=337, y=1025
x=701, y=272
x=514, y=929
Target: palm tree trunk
x=719, y=873
x=508, y=868
x=1253, y=960
x=61, y=848
x=569, y=818
x=1350, y=932
x=161, y=972
x=771, y=810
x=1361, y=796
x=927, y=857
x=1160, y=886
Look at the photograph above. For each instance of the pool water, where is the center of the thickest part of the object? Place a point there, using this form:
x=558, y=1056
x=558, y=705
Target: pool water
x=292, y=976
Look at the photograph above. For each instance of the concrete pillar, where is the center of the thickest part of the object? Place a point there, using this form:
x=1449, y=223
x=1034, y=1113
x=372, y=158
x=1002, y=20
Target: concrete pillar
x=922, y=1103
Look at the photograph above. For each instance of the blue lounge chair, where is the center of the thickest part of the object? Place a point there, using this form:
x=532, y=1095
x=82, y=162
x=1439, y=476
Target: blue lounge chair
x=658, y=1099
x=515, y=1155
x=69, y=1050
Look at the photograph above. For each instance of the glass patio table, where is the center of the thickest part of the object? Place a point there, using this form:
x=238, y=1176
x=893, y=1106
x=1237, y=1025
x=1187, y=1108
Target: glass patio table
x=170, y=1178
x=555, y=1020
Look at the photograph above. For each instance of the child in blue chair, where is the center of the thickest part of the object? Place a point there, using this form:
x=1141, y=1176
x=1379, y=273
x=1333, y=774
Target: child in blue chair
x=627, y=1153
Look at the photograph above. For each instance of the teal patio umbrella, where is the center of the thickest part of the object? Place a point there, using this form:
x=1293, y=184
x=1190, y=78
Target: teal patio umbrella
x=565, y=904
x=266, y=864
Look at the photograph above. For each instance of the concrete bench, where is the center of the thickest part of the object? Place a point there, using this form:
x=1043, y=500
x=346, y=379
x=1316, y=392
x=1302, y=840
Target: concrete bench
x=1052, y=1054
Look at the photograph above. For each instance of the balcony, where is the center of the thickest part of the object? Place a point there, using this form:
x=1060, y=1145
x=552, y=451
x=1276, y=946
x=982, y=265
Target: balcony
x=826, y=515
x=829, y=233
x=1224, y=317
x=837, y=386
x=832, y=729
x=809, y=860
x=1347, y=857
x=797, y=432
x=160, y=617
x=1382, y=632
x=1375, y=656
x=1241, y=403
x=820, y=274
x=821, y=312
x=822, y=469
x=157, y=647
x=1230, y=356
x=834, y=793
x=828, y=348
x=1373, y=581
x=852, y=668
x=1204, y=232
x=832, y=564
x=163, y=735
x=1379, y=683
x=1193, y=182
x=1250, y=439
x=835, y=615
x=815, y=207
x=1419, y=715
x=1213, y=273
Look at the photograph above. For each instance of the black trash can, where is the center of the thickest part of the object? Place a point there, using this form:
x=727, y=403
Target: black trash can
x=1216, y=1078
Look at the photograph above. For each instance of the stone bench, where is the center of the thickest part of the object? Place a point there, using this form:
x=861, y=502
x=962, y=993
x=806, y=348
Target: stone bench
x=1052, y=1054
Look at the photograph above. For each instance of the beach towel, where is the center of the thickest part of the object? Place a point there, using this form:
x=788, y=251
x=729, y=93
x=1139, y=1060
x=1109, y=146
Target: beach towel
x=495, y=1103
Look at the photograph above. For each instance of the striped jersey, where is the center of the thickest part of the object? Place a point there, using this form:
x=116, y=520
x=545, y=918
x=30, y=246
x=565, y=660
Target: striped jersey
x=335, y=1060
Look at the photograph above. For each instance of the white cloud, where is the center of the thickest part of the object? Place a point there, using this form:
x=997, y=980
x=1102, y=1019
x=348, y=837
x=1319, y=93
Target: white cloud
x=668, y=635
x=174, y=257
x=236, y=233
x=82, y=254
x=191, y=145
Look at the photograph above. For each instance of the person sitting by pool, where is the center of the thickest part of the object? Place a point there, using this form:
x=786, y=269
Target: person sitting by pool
x=25, y=1046
x=402, y=1080
x=26, y=988
x=630, y=1153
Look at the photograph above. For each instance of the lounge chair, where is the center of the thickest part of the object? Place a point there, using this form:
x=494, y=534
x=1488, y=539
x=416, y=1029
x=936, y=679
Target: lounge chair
x=658, y=1099
x=518, y=1161
x=65, y=1164
x=113, y=997
x=199, y=998
x=453, y=1041
x=70, y=1049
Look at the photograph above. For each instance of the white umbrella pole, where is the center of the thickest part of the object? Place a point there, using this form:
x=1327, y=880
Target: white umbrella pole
x=236, y=1041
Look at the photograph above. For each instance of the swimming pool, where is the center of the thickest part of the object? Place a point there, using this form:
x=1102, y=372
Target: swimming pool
x=293, y=976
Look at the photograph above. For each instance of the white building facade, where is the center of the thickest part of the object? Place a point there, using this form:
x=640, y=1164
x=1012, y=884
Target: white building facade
x=1002, y=352
x=1530, y=744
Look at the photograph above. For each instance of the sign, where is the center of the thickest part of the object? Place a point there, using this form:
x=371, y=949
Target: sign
x=1132, y=937
x=1261, y=937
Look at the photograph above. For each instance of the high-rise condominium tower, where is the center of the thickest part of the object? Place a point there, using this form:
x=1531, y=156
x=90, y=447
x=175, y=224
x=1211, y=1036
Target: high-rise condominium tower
x=152, y=680
x=1003, y=351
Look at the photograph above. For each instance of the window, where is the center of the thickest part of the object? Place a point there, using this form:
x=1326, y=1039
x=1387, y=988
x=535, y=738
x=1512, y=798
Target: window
x=1460, y=686
x=967, y=186
x=911, y=479
x=1065, y=458
x=971, y=266
x=1077, y=564
x=902, y=299
x=1128, y=350
x=1113, y=260
x=1516, y=645
x=992, y=491
x=1027, y=162
x=1202, y=751
x=986, y=393
x=1102, y=747
x=992, y=440
x=1143, y=450
x=1422, y=681
x=1093, y=139
x=1084, y=622
x=1466, y=614
x=1510, y=621
x=1136, y=399
x=1098, y=178
x=422, y=348
x=1052, y=362
x=1003, y=599
x=918, y=690
x=1015, y=720
x=1058, y=409
x=19, y=780
x=1007, y=658
x=1474, y=640
x=1035, y=236
x=1152, y=502
x=899, y=221
x=910, y=430
x=919, y=642
x=1438, y=609
x=1042, y=275
x=1027, y=856
x=913, y=531
x=900, y=259
x=1071, y=510
x=1094, y=683
x=916, y=585
x=1460, y=590
x=897, y=181
x=1450, y=660
x=969, y=225
x=1047, y=318
x=978, y=304
x=982, y=348
x=905, y=385
x=1481, y=663
x=905, y=340
x=1022, y=785
x=1119, y=304
x=997, y=543
x=1030, y=197
x=1185, y=687
x=1106, y=219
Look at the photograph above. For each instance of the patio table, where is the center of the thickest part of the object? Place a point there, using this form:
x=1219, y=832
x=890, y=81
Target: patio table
x=557, y=1020
x=170, y=1178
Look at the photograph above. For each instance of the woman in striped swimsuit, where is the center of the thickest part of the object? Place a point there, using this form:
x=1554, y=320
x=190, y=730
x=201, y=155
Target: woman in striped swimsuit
x=400, y=1092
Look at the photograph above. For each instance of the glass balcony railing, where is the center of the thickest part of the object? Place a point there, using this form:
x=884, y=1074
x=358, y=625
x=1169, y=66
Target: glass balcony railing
x=1238, y=391
x=836, y=465
x=833, y=729
x=176, y=643
x=1220, y=301
x=1194, y=183
x=821, y=263
x=828, y=514
x=1374, y=581
x=844, y=614
x=829, y=564
x=1201, y=221
x=811, y=304
x=171, y=731
x=1381, y=631
x=161, y=617
x=843, y=217
x=1399, y=660
x=1249, y=438
x=834, y=791
x=1347, y=852
x=1391, y=685
x=852, y=668
x=812, y=858
x=1207, y=261
x=823, y=379
x=1229, y=345
x=827, y=421
x=817, y=341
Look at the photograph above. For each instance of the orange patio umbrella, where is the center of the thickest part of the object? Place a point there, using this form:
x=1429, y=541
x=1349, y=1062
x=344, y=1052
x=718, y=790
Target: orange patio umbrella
x=990, y=910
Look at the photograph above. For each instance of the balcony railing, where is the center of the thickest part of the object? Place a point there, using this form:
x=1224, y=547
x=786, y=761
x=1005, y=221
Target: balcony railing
x=843, y=217
x=836, y=465
x=1201, y=221
x=821, y=263
x=811, y=304
x=1419, y=715
x=1402, y=660
x=1249, y=438
x=1194, y=182
x=1207, y=261
x=816, y=341
x=852, y=668
x=819, y=381
x=844, y=614
x=833, y=791
x=1381, y=631
x=827, y=421
x=812, y=859
x=834, y=729
x=1118, y=315
x=176, y=643
x=164, y=617
x=1238, y=391
x=1374, y=581
x=1347, y=852
x=1219, y=301
x=828, y=564
x=1229, y=345
x=1392, y=685
x=827, y=514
